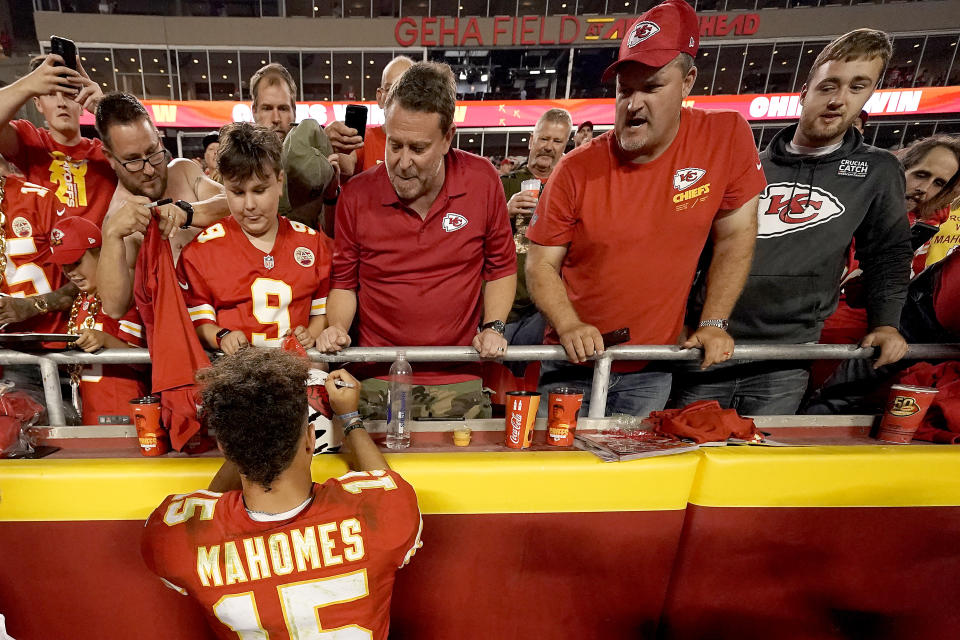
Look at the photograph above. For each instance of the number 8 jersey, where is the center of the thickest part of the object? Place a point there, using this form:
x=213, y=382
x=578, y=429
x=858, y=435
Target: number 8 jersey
x=229, y=282
x=325, y=573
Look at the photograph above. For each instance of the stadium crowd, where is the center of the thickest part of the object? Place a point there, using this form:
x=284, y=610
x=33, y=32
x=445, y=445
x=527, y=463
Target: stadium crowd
x=670, y=226
x=670, y=229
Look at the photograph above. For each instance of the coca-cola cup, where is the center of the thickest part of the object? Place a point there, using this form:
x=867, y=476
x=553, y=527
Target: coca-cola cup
x=521, y=416
x=906, y=407
x=145, y=413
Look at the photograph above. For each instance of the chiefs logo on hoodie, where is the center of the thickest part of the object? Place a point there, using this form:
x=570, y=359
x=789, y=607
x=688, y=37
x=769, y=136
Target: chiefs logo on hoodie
x=786, y=207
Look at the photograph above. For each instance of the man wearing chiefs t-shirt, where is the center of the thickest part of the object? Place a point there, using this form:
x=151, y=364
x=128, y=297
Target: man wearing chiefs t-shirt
x=359, y=154
x=58, y=158
x=266, y=551
x=622, y=221
x=827, y=188
x=423, y=253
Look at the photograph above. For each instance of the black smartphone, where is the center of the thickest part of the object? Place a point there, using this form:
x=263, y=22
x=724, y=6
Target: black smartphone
x=920, y=232
x=66, y=49
x=613, y=338
x=356, y=118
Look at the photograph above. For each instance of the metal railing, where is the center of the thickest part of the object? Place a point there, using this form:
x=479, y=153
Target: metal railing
x=49, y=362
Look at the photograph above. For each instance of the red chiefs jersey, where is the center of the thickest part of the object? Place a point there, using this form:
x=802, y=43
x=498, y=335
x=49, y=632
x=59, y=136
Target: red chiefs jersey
x=229, y=282
x=106, y=389
x=30, y=211
x=79, y=176
x=326, y=572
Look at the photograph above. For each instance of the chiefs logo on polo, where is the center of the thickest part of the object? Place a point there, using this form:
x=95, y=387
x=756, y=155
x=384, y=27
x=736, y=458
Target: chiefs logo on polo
x=688, y=177
x=641, y=31
x=786, y=207
x=453, y=222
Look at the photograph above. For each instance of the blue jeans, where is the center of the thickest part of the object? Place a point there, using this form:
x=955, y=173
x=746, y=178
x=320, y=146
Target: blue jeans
x=751, y=389
x=528, y=330
x=636, y=393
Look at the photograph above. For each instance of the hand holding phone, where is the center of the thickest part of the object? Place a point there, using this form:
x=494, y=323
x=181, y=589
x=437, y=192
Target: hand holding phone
x=356, y=118
x=66, y=49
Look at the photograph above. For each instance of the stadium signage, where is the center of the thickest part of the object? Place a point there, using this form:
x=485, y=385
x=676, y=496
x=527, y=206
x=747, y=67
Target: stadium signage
x=540, y=31
x=211, y=114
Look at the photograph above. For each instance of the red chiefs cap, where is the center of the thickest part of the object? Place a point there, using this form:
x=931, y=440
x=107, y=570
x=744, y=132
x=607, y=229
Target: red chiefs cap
x=70, y=238
x=658, y=36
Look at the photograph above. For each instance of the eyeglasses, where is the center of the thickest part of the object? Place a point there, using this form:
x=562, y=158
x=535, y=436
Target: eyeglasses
x=155, y=158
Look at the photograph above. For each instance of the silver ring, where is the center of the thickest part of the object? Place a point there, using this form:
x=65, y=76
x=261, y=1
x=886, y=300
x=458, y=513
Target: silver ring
x=500, y=349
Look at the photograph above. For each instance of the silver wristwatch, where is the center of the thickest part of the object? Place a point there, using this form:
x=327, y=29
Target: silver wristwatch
x=719, y=324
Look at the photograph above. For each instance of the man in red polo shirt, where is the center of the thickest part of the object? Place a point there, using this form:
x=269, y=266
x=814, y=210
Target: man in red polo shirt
x=423, y=250
x=621, y=224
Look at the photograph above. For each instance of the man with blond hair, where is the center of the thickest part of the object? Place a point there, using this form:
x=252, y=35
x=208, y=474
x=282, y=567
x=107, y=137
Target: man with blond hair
x=309, y=178
x=826, y=188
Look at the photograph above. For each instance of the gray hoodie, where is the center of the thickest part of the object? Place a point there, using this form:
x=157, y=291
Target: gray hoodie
x=812, y=208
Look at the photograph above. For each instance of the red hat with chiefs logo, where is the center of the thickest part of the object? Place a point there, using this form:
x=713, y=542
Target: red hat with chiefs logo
x=70, y=238
x=658, y=36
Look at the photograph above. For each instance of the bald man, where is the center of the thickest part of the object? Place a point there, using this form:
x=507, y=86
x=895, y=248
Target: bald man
x=359, y=154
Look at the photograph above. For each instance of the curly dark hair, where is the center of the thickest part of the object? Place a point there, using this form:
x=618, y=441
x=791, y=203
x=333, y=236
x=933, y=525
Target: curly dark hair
x=247, y=149
x=256, y=401
x=118, y=108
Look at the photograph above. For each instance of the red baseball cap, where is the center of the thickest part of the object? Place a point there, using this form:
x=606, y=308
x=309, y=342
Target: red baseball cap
x=658, y=36
x=70, y=238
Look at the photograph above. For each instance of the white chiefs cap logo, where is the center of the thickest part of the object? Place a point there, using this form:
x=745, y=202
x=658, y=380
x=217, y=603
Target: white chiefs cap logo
x=303, y=256
x=453, y=222
x=688, y=177
x=641, y=31
x=786, y=207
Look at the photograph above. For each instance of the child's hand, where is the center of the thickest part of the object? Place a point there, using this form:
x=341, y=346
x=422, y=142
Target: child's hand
x=91, y=340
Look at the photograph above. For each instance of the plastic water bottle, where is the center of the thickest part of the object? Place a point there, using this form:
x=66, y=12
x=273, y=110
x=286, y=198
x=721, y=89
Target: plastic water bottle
x=398, y=403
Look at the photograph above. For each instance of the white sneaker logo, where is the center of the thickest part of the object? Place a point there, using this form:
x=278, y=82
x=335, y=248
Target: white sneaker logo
x=453, y=222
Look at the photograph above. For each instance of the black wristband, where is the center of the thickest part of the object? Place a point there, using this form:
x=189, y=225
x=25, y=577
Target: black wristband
x=222, y=334
x=356, y=423
x=188, y=208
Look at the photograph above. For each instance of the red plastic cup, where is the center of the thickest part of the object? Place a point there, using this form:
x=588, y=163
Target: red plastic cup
x=521, y=416
x=564, y=404
x=153, y=437
x=906, y=407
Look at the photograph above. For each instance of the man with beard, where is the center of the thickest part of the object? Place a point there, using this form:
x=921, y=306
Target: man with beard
x=525, y=325
x=135, y=150
x=584, y=133
x=827, y=188
x=310, y=181
x=423, y=252
x=620, y=225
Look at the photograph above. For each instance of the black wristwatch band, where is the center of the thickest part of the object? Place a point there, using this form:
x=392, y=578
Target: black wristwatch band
x=497, y=325
x=356, y=423
x=186, y=206
x=222, y=334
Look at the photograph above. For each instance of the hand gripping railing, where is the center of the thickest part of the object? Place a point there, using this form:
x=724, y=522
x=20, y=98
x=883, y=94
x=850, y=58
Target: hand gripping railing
x=48, y=362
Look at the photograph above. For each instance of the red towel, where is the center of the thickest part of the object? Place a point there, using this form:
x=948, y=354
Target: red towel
x=942, y=422
x=703, y=421
x=175, y=350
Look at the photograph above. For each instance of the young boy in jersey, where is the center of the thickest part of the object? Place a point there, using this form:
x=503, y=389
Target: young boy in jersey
x=105, y=390
x=283, y=556
x=254, y=277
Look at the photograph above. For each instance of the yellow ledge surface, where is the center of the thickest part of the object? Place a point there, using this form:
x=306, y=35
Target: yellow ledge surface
x=868, y=476
x=460, y=483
